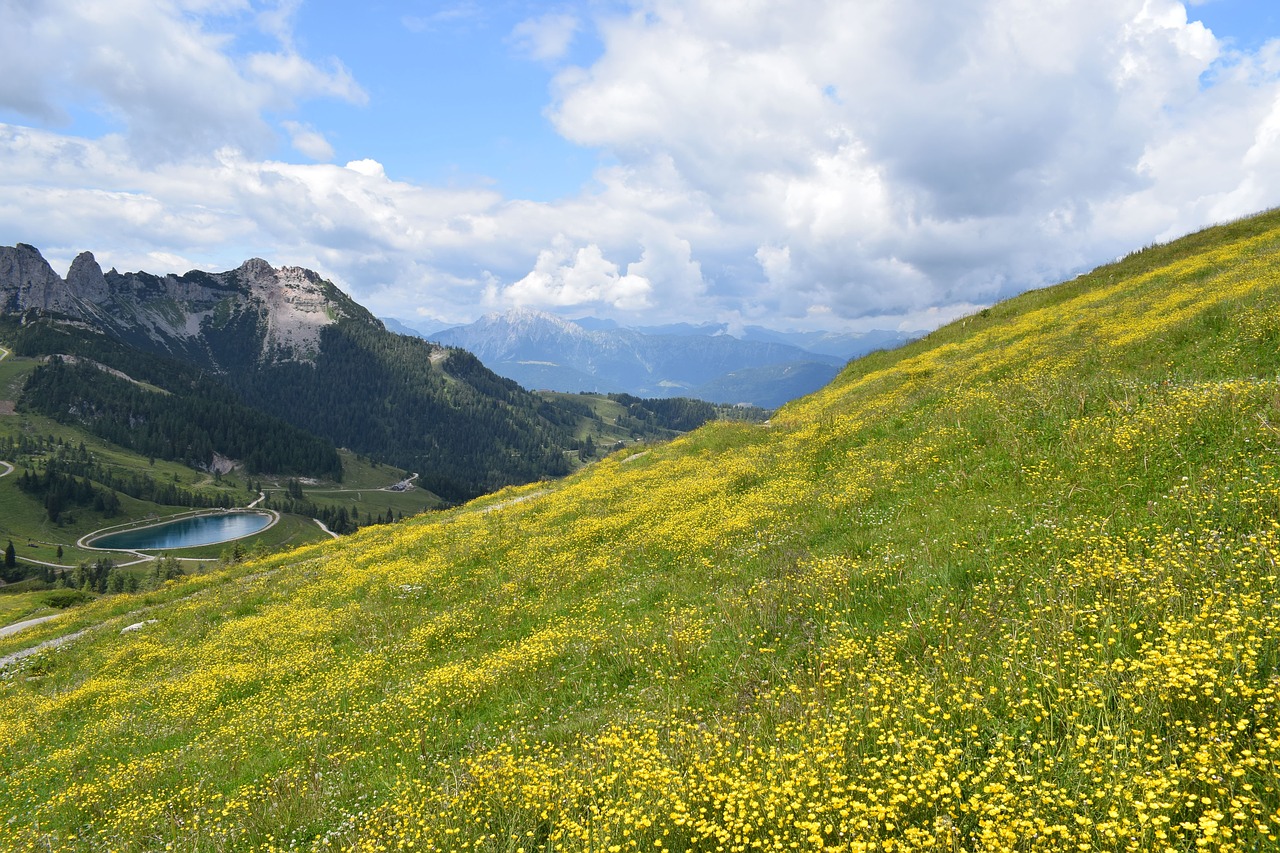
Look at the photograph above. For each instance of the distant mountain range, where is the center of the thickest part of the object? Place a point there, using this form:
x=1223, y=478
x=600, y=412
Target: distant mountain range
x=273, y=367
x=762, y=367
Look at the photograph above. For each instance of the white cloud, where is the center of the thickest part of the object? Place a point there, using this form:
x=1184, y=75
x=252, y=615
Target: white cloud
x=368, y=168
x=545, y=38
x=563, y=276
x=289, y=76
x=893, y=162
x=452, y=15
x=910, y=155
x=308, y=141
x=156, y=69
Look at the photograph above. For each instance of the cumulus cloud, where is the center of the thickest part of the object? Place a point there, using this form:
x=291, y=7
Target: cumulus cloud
x=892, y=164
x=308, y=141
x=563, y=276
x=156, y=69
x=912, y=155
x=547, y=37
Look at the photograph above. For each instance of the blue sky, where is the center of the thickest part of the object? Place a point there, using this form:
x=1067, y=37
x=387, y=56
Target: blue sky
x=802, y=164
x=1247, y=24
x=454, y=97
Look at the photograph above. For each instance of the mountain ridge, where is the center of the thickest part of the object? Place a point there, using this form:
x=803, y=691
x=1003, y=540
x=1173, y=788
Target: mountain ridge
x=764, y=368
x=292, y=345
x=171, y=313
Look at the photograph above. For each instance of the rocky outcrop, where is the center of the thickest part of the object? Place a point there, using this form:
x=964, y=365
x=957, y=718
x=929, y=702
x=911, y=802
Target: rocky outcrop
x=286, y=309
x=85, y=279
x=297, y=305
x=27, y=281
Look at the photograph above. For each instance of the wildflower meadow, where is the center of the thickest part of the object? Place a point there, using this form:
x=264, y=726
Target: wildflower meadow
x=1011, y=587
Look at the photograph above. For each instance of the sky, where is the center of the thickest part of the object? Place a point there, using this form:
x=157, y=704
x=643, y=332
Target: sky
x=811, y=164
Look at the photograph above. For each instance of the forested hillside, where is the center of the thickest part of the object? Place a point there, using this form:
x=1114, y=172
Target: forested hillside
x=270, y=347
x=201, y=419
x=1012, y=587
x=290, y=345
x=399, y=399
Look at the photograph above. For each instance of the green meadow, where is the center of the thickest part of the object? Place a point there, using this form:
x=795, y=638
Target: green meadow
x=1011, y=587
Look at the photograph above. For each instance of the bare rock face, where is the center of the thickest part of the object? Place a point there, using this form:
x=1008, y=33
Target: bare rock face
x=27, y=281
x=290, y=306
x=85, y=279
x=297, y=308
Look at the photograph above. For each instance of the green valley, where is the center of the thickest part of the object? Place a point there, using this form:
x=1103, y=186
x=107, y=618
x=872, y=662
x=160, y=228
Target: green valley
x=68, y=482
x=1013, y=586
x=142, y=490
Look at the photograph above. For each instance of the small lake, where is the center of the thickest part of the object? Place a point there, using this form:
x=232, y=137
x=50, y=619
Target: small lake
x=187, y=532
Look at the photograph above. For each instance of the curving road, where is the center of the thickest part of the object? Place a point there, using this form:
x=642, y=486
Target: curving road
x=322, y=526
x=85, y=540
x=28, y=623
x=8, y=467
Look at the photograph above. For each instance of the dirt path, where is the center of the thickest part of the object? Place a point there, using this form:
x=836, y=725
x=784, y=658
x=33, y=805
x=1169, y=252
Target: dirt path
x=29, y=623
x=8, y=467
x=519, y=500
x=320, y=524
x=404, y=485
x=39, y=647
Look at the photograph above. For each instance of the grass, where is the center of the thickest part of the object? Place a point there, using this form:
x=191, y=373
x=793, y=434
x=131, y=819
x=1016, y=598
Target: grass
x=604, y=432
x=24, y=521
x=17, y=606
x=13, y=373
x=1011, y=587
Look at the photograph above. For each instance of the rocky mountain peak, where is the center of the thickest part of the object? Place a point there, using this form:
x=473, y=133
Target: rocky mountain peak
x=526, y=320
x=85, y=278
x=258, y=275
x=27, y=281
x=290, y=306
x=256, y=268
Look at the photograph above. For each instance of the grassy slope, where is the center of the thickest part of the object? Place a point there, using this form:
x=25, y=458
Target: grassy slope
x=1011, y=587
x=23, y=519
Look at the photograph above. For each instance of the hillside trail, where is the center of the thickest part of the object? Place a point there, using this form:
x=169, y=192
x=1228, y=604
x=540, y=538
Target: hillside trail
x=518, y=500
x=14, y=657
x=322, y=526
x=401, y=486
x=26, y=623
x=8, y=466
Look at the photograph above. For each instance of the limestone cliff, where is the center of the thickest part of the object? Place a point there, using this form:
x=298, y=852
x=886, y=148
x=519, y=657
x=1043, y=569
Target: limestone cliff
x=275, y=314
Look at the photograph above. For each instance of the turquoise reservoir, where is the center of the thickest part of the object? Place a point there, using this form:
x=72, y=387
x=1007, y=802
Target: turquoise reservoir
x=187, y=532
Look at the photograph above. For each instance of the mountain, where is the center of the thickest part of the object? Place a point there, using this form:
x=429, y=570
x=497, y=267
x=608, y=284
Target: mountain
x=843, y=345
x=400, y=327
x=252, y=314
x=1012, y=586
x=770, y=386
x=541, y=350
x=282, y=342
